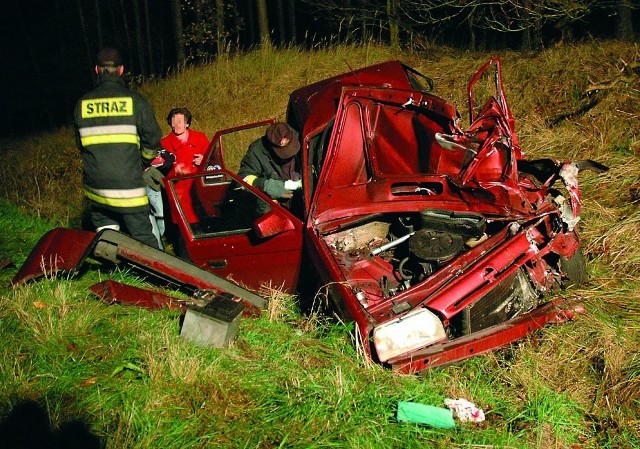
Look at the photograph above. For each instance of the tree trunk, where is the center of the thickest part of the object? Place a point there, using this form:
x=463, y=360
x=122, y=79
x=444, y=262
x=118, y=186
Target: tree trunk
x=220, y=29
x=85, y=38
x=38, y=77
x=235, y=30
x=114, y=25
x=178, y=31
x=282, y=34
x=62, y=56
x=127, y=32
x=364, y=30
x=139, y=38
x=527, y=40
x=472, y=34
x=251, y=38
x=149, y=45
x=263, y=23
x=394, y=26
x=292, y=21
x=99, y=24
x=624, y=23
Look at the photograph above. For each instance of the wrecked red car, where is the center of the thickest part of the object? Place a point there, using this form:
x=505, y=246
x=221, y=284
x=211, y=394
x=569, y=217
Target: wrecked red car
x=440, y=242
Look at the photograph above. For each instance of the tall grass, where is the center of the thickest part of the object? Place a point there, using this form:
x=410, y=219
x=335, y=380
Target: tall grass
x=292, y=380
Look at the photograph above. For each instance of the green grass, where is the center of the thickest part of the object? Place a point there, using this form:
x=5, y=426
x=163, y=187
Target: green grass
x=294, y=381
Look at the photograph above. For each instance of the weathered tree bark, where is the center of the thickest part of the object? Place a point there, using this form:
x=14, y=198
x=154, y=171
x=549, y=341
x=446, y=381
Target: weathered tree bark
x=263, y=23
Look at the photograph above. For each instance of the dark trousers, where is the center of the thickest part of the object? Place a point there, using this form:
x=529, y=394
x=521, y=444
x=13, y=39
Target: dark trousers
x=136, y=224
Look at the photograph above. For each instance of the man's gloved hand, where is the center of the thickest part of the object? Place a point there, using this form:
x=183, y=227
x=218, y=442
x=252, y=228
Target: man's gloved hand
x=275, y=189
x=153, y=178
x=293, y=185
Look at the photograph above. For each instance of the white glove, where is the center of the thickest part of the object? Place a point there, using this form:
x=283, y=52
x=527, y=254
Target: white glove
x=293, y=185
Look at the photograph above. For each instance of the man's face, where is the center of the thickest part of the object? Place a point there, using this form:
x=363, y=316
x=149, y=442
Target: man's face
x=179, y=124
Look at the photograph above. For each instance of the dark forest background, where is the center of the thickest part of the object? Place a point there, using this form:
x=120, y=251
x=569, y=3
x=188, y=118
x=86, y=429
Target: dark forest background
x=49, y=46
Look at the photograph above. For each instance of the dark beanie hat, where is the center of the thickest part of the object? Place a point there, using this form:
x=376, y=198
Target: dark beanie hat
x=109, y=57
x=279, y=131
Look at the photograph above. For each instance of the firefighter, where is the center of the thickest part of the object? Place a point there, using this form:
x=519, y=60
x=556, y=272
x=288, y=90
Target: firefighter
x=118, y=135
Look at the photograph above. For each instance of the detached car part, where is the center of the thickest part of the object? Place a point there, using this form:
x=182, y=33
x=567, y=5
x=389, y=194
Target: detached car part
x=112, y=292
x=66, y=250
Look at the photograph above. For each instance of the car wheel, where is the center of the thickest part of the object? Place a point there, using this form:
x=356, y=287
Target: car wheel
x=574, y=268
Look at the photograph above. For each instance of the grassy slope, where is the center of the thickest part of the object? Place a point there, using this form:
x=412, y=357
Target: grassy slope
x=290, y=381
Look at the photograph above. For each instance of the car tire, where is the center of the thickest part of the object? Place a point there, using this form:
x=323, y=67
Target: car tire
x=574, y=268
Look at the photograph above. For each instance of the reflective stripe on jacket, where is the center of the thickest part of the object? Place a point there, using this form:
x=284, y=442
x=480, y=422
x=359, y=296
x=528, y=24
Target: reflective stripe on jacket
x=118, y=198
x=116, y=130
x=93, y=135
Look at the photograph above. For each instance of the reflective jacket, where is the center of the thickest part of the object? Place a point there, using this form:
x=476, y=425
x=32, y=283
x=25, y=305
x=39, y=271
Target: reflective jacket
x=116, y=131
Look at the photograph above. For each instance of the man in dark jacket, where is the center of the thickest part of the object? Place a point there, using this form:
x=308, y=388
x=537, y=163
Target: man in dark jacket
x=271, y=165
x=117, y=133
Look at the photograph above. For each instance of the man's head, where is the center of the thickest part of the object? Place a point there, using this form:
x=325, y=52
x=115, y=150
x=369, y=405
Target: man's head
x=179, y=119
x=109, y=61
x=283, y=140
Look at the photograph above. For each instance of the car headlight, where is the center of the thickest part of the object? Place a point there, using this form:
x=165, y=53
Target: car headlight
x=414, y=330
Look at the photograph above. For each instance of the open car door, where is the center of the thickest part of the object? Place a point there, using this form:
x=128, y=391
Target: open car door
x=231, y=142
x=237, y=232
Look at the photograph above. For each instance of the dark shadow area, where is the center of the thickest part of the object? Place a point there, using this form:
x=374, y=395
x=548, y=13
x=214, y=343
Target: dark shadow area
x=27, y=426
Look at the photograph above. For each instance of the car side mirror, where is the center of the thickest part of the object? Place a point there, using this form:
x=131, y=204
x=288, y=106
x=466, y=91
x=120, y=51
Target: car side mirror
x=271, y=224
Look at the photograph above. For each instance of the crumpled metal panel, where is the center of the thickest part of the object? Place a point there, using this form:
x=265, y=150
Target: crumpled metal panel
x=557, y=311
x=113, y=292
x=59, y=250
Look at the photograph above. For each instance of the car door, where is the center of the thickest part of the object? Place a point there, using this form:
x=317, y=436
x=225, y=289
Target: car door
x=239, y=232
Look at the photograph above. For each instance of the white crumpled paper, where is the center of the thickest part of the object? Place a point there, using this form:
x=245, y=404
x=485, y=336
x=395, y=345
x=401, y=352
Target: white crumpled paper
x=464, y=410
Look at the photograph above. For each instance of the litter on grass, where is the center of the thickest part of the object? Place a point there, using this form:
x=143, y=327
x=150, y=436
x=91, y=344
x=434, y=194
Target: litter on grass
x=414, y=412
x=464, y=410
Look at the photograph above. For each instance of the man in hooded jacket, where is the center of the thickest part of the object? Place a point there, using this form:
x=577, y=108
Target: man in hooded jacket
x=270, y=164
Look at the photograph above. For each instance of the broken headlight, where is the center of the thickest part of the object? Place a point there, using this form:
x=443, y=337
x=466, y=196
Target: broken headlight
x=412, y=331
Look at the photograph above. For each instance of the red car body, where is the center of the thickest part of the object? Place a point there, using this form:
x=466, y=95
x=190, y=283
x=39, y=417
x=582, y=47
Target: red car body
x=439, y=242
x=408, y=220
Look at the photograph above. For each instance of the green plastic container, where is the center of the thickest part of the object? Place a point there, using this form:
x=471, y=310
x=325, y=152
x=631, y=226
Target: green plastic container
x=413, y=412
